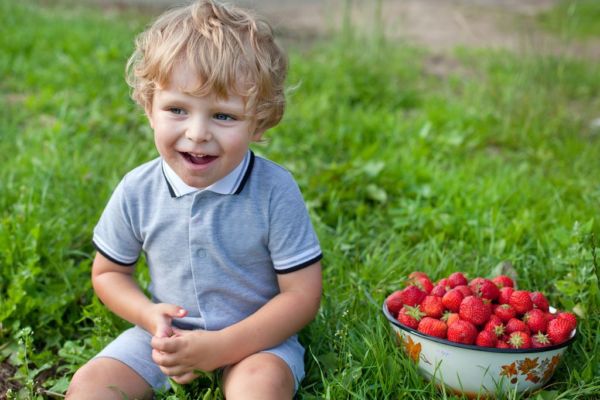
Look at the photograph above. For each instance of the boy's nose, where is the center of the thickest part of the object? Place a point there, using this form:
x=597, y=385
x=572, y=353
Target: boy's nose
x=198, y=130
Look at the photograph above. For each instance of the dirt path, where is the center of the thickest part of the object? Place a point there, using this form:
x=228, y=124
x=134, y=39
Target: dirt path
x=440, y=25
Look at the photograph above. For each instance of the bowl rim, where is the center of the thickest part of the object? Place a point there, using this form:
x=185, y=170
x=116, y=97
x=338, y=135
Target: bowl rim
x=396, y=323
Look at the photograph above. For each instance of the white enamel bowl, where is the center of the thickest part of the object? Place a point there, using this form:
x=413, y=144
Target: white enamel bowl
x=477, y=371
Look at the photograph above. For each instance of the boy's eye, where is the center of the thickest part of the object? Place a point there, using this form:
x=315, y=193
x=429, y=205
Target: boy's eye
x=223, y=117
x=176, y=110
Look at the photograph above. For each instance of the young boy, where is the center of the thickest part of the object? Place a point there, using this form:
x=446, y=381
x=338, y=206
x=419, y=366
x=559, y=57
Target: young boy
x=233, y=258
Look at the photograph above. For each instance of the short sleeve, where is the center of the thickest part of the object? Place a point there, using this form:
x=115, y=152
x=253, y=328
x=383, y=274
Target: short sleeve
x=293, y=243
x=115, y=236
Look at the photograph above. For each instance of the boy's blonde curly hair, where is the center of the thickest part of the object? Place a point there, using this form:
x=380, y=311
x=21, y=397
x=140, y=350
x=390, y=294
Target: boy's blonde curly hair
x=230, y=49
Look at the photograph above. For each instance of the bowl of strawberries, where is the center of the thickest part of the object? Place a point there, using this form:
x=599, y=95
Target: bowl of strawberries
x=479, y=336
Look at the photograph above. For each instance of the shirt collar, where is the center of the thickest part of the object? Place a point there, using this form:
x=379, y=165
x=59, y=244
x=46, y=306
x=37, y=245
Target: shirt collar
x=232, y=183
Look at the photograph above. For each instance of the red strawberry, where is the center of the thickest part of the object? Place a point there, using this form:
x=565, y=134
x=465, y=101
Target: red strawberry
x=504, y=297
x=502, y=345
x=417, y=274
x=516, y=325
x=423, y=283
x=449, y=318
x=432, y=306
x=550, y=316
x=457, y=279
x=394, y=302
x=410, y=316
x=489, y=305
x=452, y=299
x=539, y=301
x=433, y=327
x=519, y=340
x=438, y=290
x=503, y=281
x=536, y=320
x=484, y=288
x=465, y=290
x=559, y=330
x=486, y=339
x=412, y=295
x=443, y=282
x=473, y=309
x=569, y=317
x=495, y=326
x=521, y=301
x=462, y=332
x=505, y=312
x=540, y=340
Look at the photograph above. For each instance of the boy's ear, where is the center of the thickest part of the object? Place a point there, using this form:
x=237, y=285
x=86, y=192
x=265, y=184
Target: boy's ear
x=257, y=135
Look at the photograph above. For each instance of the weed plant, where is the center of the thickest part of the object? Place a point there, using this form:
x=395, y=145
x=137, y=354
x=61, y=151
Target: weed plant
x=495, y=161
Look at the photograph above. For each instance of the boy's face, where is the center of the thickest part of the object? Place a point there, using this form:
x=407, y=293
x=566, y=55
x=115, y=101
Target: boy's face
x=201, y=138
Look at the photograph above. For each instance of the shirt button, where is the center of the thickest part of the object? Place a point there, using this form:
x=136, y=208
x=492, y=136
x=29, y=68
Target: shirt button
x=201, y=253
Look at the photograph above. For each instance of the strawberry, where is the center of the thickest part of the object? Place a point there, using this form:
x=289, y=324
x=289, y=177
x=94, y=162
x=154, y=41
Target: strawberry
x=462, y=332
x=484, y=288
x=412, y=295
x=505, y=312
x=539, y=301
x=457, y=279
x=516, y=325
x=504, y=297
x=536, y=320
x=432, y=306
x=570, y=317
x=486, y=339
x=559, y=330
x=438, y=290
x=540, y=340
x=464, y=289
x=449, y=318
x=521, y=301
x=410, y=316
x=496, y=327
x=394, y=302
x=443, y=282
x=503, y=281
x=519, y=340
x=452, y=299
x=433, y=327
x=473, y=309
x=502, y=345
x=550, y=316
x=423, y=283
x=417, y=274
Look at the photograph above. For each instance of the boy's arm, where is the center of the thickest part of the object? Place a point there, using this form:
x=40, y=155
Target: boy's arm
x=287, y=313
x=116, y=287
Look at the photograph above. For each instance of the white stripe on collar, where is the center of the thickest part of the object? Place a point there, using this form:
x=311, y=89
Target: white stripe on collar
x=226, y=185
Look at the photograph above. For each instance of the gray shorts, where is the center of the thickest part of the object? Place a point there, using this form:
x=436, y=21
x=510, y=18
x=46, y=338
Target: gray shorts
x=133, y=348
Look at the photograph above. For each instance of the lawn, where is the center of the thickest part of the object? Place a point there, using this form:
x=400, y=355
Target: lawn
x=496, y=161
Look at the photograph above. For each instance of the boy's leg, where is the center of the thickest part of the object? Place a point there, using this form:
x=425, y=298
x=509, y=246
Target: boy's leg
x=107, y=378
x=259, y=376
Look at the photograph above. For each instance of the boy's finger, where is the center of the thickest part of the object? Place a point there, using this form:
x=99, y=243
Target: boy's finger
x=163, y=331
x=176, y=312
x=163, y=344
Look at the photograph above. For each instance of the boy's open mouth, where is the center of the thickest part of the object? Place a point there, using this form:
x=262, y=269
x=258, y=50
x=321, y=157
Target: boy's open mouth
x=198, y=159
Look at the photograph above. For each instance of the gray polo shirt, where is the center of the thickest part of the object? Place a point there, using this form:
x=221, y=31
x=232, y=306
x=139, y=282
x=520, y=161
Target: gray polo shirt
x=217, y=251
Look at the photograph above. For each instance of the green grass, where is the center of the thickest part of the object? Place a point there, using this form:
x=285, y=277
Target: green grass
x=573, y=19
x=401, y=170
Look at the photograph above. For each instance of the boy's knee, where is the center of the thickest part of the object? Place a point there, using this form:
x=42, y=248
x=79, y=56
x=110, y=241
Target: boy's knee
x=263, y=375
x=107, y=379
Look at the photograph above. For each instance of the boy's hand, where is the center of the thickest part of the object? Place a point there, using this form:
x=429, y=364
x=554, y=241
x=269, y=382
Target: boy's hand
x=160, y=317
x=179, y=355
